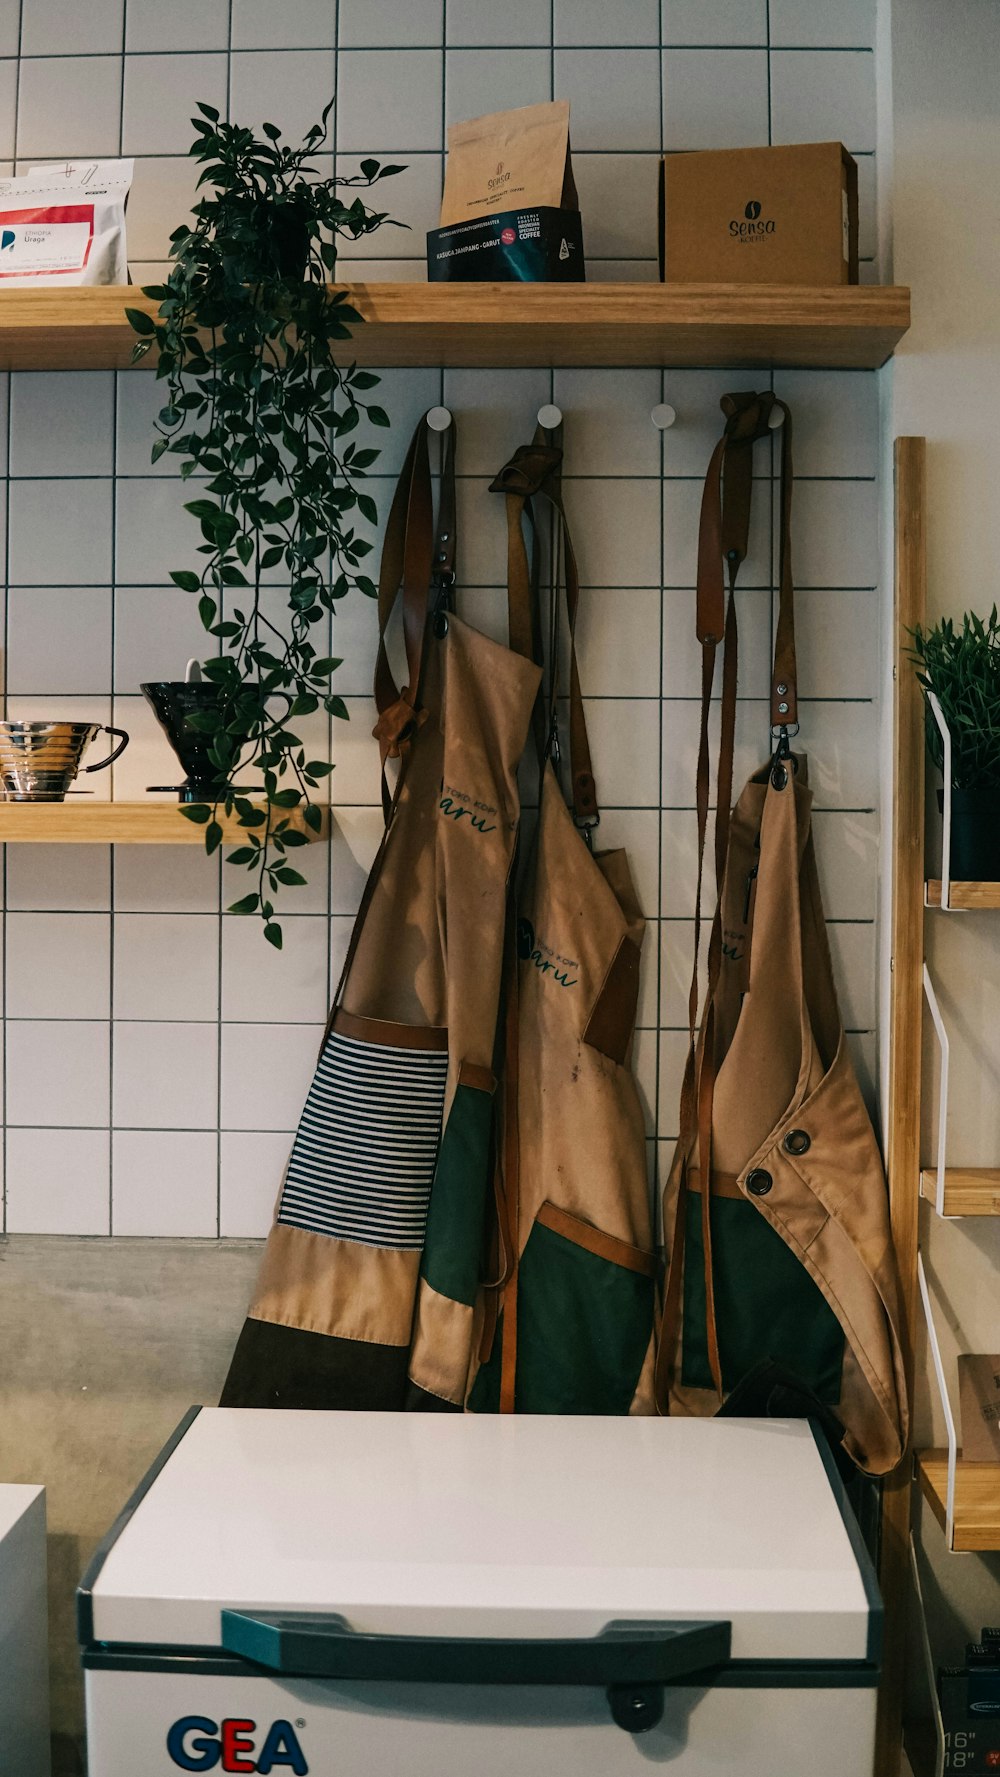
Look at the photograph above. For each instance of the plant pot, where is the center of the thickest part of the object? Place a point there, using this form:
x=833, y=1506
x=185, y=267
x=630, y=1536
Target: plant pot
x=276, y=236
x=173, y=702
x=975, y=834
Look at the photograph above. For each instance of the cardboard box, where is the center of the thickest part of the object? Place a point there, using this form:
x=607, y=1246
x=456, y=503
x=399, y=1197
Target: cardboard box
x=760, y=216
x=979, y=1404
x=519, y=246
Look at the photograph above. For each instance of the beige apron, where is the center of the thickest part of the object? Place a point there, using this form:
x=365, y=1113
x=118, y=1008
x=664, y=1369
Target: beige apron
x=788, y=1258
x=577, y=1303
x=382, y=1215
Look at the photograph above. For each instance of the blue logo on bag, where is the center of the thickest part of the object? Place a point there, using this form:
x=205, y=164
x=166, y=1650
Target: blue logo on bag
x=197, y=1744
x=7, y=238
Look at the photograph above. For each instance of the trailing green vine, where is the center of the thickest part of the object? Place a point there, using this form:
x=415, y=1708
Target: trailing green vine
x=256, y=403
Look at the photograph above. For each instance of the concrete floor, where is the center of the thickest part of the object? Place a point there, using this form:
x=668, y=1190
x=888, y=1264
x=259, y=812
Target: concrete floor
x=105, y=1344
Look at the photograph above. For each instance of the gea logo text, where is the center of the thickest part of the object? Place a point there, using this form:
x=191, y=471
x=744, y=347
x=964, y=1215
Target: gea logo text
x=197, y=1744
x=751, y=228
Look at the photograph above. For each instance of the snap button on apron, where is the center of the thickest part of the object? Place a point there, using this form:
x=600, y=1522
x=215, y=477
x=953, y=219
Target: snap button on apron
x=759, y=1182
x=797, y=1142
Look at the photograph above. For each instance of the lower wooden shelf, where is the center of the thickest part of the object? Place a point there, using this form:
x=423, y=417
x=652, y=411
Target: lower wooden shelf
x=118, y=823
x=966, y=897
x=968, y=1190
x=977, y=1499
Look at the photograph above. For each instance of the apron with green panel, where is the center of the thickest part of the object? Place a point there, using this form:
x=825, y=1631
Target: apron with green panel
x=569, y=1327
x=367, y=1293
x=776, y=1211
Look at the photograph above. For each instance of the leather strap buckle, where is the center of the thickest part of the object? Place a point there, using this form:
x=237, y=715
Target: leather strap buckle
x=396, y=725
x=529, y=468
x=747, y=416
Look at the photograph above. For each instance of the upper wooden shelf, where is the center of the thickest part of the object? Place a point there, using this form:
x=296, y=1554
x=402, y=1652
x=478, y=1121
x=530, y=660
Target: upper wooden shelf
x=977, y=1498
x=966, y=897
x=117, y=823
x=851, y=327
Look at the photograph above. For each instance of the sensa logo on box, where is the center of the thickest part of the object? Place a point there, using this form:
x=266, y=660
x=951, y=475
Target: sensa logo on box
x=197, y=1744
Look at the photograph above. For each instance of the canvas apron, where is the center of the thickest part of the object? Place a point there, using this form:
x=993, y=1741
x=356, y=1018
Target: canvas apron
x=787, y=1258
x=374, y=1264
x=576, y=1304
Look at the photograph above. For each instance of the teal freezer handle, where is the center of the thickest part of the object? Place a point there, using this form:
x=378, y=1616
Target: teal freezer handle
x=633, y=1661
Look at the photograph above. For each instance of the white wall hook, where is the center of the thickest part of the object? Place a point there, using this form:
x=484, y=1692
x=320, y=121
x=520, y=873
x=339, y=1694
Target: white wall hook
x=776, y=418
x=439, y=419
x=549, y=417
x=663, y=415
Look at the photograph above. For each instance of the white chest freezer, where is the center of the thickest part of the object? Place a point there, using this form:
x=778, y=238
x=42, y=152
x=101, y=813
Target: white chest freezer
x=24, y=1649
x=411, y=1595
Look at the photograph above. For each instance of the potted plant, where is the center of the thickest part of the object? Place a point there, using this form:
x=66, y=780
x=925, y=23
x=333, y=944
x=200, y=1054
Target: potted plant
x=962, y=668
x=263, y=401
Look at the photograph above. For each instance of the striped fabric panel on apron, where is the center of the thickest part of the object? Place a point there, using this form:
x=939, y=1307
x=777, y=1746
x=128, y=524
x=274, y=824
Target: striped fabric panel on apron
x=363, y=1159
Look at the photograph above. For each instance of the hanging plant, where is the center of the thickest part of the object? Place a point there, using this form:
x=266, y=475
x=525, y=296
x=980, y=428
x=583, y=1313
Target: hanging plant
x=257, y=403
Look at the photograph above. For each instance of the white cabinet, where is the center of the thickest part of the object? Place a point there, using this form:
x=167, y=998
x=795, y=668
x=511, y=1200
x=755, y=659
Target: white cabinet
x=24, y=1654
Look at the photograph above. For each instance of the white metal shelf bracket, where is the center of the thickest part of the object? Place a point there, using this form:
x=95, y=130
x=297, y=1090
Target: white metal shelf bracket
x=938, y=714
x=945, y=1048
x=930, y=1670
x=949, y=1417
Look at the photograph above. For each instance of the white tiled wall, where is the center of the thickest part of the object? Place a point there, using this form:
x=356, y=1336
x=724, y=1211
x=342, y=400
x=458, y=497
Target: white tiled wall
x=157, y=1051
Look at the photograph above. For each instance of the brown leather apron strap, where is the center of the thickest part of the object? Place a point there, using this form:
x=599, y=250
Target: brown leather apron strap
x=784, y=684
x=405, y=571
x=414, y=558
x=411, y=563
x=508, y=1193
x=586, y=812
x=446, y=534
x=534, y=472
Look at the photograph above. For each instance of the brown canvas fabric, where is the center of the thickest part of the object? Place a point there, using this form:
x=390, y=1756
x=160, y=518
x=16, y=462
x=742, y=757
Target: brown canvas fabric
x=389, y=1175
x=788, y=1255
x=576, y=1305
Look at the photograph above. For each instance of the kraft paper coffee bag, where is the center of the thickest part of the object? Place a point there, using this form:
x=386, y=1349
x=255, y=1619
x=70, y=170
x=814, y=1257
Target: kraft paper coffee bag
x=510, y=160
x=509, y=210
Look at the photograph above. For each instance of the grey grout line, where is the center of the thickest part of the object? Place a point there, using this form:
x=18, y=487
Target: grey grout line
x=552, y=49
x=352, y=49
x=417, y=153
x=114, y=601
x=660, y=885
x=471, y=478
x=767, y=25
x=220, y=880
x=6, y=621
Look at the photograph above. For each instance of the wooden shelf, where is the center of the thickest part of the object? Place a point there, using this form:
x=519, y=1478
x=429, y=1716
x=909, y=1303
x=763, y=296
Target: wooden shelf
x=745, y=326
x=977, y=1498
x=116, y=823
x=968, y=897
x=968, y=1190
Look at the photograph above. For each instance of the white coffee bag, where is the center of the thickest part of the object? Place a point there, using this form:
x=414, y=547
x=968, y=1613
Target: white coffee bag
x=64, y=224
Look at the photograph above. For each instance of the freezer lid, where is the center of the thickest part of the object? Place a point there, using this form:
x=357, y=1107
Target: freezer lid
x=474, y=1526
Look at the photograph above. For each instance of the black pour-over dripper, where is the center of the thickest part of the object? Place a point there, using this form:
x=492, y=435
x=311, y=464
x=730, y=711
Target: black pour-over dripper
x=173, y=702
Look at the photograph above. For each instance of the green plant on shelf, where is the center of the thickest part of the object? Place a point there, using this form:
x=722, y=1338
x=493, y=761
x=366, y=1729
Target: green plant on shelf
x=962, y=667
x=264, y=403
